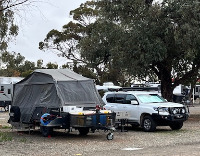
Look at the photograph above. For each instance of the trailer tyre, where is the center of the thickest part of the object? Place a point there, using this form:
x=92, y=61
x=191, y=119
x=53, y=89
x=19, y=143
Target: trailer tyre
x=46, y=131
x=6, y=108
x=110, y=136
x=15, y=114
x=83, y=131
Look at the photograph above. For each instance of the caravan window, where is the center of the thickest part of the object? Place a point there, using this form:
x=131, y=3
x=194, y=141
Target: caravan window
x=2, y=88
x=9, y=91
x=197, y=89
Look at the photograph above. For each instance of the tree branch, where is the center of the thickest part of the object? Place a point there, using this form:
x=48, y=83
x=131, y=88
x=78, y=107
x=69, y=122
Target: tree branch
x=192, y=73
x=155, y=70
x=12, y=5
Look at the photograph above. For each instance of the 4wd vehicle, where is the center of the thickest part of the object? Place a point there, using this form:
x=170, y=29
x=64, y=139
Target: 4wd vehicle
x=147, y=109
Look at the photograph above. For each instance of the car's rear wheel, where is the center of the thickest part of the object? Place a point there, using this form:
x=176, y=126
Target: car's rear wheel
x=176, y=125
x=148, y=124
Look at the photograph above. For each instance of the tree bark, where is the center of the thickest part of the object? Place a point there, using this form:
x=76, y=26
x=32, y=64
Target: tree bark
x=166, y=87
x=164, y=74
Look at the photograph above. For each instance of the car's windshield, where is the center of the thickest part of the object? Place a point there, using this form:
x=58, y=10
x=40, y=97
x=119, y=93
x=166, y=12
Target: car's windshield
x=150, y=98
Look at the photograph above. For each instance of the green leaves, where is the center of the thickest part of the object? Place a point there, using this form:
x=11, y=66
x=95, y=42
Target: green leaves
x=8, y=29
x=14, y=64
x=161, y=38
x=86, y=13
x=133, y=38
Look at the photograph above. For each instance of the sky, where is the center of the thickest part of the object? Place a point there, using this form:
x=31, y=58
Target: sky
x=35, y=22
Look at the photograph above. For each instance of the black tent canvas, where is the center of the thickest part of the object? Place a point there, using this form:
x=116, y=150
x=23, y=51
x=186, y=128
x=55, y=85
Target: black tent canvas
x=54, y=88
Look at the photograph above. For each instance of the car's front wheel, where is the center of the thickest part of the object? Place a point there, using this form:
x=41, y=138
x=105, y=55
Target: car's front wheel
x=148, y=124
x=176, y=125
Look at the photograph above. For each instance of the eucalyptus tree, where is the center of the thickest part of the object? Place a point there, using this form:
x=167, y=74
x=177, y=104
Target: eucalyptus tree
x=161, y=38
x=7, y=27
x=12, y=63
x=66, y=42
x=140, y=38
x=10, y=4
x=84, y=42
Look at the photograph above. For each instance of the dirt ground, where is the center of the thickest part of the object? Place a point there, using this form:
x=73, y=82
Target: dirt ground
x=162, y=142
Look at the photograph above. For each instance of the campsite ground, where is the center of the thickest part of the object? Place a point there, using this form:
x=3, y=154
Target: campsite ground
x=133, y=142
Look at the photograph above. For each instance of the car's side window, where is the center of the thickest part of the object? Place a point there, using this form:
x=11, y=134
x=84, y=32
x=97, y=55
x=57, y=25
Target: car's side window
x=119, y=98
x=130, y=97
x=110, y=98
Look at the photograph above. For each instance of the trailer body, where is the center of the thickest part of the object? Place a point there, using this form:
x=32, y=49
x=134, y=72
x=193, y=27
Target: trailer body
x=53, y=95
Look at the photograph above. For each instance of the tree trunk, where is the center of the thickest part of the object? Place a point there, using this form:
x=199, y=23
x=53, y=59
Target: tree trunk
x=163, y=71
x=166, y=86
x=166, y=91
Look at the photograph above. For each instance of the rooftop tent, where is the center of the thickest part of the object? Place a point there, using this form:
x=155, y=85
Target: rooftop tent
x=54, y=88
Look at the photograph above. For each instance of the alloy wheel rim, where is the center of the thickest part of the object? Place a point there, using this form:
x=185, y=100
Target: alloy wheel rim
x=147, y=124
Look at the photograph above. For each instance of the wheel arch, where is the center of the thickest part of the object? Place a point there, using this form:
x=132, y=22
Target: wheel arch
x=142, y=116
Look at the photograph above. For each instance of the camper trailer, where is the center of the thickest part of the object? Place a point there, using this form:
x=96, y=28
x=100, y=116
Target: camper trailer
x=6, y=90
x=59, y=99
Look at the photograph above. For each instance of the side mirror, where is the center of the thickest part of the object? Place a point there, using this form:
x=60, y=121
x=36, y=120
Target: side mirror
x=134, y=102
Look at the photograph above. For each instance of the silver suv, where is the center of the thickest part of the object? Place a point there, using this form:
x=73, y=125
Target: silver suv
x=147, y=109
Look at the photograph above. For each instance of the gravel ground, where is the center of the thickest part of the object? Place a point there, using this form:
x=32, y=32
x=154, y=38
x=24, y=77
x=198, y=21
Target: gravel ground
x=133, y=142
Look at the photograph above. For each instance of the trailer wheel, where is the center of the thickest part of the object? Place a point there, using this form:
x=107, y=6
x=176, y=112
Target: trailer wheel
x=15, y=114
x=83, y=131
x=110, y=136
x=46, y=131
x=6, y=108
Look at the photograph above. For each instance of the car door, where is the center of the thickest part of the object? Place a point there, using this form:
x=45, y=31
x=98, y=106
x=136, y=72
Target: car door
x=133, y=109
x=115, y=102
x=120, y=106
x=109, y=101
x=119, y=102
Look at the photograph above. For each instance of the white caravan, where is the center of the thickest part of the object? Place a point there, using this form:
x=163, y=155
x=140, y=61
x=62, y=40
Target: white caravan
x=6, y=90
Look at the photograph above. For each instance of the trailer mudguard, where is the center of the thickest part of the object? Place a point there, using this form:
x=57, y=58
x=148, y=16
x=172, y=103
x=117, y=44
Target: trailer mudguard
x=45, y=119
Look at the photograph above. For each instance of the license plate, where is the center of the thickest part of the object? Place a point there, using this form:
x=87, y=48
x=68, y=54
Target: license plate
x=179, y=116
